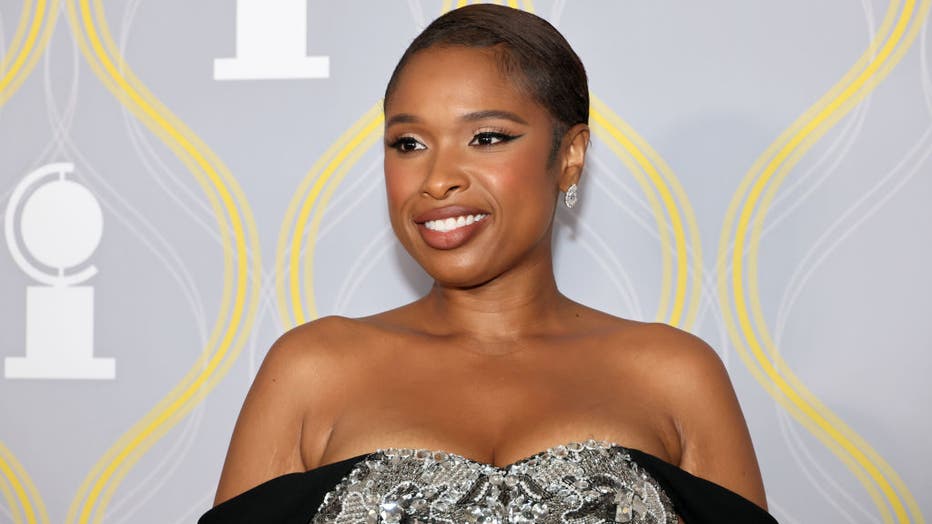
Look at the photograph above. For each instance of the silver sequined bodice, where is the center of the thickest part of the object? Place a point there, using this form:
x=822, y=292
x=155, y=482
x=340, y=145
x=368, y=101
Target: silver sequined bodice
x=590, y=482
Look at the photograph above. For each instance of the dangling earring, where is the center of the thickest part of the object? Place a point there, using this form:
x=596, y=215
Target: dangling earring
x=570, y=197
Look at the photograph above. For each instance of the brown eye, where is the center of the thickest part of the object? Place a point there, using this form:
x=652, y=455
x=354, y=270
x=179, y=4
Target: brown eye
x=490, y=138
x=407, y=144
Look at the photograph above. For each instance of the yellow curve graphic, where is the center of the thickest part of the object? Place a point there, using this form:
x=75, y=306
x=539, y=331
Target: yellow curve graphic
x=657, y=180
x=672, y=210
x=241, y=262
x=323, y=178
x=30, y=39
x=755, y=194
x=18, y=490
x=35, y=27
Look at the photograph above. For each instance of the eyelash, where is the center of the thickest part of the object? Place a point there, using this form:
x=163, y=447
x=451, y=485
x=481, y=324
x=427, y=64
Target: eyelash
x=499, y=135
x=401, y=141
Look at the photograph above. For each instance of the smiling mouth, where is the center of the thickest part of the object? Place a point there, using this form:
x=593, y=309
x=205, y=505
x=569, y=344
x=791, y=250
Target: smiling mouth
x=445, y=225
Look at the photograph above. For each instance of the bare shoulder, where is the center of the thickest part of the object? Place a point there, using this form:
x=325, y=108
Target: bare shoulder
x=322, y=345
x=691, y=385
x=683, y=359
x=679, y=354
x=302, y=355
x=674, y=367
x=687, y=373
x=287, y=404
x=316, y=341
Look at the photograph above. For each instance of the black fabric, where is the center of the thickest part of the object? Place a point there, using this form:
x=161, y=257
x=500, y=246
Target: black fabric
x=295, y=497
x=697, y=500
x=289, y=499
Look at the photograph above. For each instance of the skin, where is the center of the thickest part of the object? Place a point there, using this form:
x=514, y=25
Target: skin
x=494, y=363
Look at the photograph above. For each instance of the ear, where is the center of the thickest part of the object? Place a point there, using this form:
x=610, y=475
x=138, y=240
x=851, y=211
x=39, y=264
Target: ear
x=575, y=144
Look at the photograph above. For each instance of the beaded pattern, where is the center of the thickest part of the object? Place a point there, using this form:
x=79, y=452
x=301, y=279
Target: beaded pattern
x=591, y=482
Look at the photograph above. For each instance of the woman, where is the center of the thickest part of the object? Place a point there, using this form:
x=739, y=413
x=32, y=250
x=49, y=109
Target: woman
x=494, y=398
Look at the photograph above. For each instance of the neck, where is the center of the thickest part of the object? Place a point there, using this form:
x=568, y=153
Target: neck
x=513, y=306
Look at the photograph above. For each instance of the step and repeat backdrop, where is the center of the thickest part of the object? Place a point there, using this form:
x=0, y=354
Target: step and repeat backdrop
x=180, y=182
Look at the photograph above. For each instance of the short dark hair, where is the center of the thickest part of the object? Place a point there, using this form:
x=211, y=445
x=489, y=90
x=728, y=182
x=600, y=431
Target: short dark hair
x=549, y=70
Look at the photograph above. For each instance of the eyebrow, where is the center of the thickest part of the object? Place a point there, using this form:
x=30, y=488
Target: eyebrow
x=493, y=113
x=402, y=118
x=407, y=118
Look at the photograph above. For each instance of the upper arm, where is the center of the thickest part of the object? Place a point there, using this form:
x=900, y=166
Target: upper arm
x=714, y=437
x=266, y=441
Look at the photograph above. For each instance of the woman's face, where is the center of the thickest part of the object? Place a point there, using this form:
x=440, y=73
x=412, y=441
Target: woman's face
x=470, y=192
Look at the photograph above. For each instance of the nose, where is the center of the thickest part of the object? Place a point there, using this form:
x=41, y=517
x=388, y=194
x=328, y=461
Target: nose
x=445, y=175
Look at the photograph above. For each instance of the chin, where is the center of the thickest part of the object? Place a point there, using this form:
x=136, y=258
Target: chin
x=466, y=284
x=453, y=268
x=462, y=278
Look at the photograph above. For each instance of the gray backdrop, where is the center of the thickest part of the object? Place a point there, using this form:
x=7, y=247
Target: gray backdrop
x=759, y=176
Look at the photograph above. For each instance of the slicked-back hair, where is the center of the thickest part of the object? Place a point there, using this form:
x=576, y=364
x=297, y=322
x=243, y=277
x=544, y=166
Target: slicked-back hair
x=531, y=52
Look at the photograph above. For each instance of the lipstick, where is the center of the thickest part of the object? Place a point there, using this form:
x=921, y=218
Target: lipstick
x=450, y=227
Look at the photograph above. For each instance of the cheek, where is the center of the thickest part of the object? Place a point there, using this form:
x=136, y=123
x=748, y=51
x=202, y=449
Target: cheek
x=402, y=185
x=398, y=185
x=526, y=184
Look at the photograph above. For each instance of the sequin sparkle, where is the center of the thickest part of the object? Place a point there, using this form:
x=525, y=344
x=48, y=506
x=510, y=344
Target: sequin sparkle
x=590, y=482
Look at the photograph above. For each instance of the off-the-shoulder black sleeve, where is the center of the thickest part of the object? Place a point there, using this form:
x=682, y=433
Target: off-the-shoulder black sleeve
x=699, y=501
x=289, y=499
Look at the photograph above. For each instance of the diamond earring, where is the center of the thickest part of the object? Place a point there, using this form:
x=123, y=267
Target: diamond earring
x=570, y=197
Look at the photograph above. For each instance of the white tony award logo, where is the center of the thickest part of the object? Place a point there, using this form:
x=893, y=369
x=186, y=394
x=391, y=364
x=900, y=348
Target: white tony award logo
x=60, y=225
x=271, y=43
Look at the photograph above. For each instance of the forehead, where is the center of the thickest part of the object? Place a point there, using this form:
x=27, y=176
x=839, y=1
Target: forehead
x=458, y=79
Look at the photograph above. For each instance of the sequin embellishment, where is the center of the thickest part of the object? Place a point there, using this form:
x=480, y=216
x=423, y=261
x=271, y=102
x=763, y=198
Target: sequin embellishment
x=589, y=482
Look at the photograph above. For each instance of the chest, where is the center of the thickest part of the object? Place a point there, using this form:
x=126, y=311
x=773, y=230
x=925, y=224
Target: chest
x=496, y=412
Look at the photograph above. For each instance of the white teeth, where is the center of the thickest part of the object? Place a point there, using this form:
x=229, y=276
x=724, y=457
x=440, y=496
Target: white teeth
x=449, y=224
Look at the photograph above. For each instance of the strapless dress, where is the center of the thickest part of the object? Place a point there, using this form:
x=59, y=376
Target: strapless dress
x=591, y=482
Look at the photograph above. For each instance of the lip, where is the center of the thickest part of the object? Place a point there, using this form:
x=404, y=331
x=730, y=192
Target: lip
x=447, y=212
x=449, y=239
